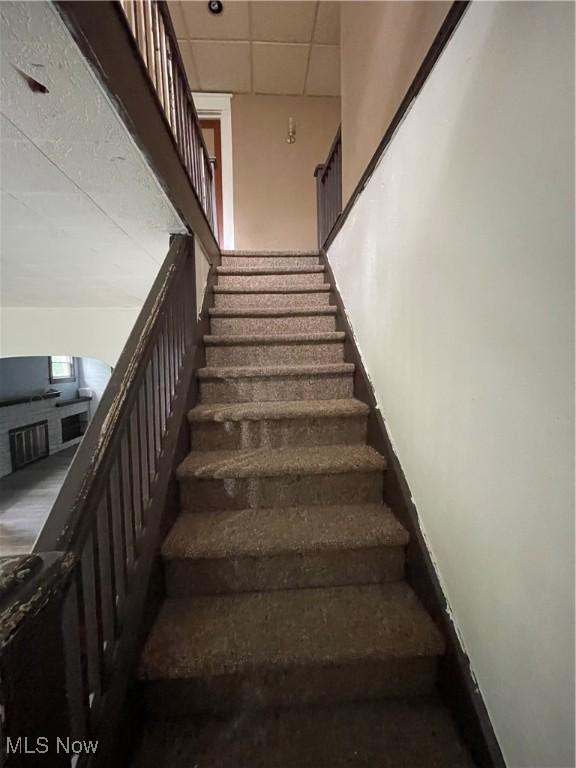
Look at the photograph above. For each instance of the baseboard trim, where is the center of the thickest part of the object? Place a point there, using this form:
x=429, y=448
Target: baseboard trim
x=456, y=683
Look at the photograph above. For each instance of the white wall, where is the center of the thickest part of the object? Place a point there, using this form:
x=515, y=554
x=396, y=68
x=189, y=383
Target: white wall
x=94, y=374
x=456, y=269
x=82, y=331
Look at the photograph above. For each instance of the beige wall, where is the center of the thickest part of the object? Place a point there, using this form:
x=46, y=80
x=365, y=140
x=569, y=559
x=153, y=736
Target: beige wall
x=382, y=47
x=274, y=186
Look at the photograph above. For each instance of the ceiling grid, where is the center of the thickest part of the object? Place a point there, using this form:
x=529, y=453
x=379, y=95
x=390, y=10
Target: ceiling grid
x=261, y=47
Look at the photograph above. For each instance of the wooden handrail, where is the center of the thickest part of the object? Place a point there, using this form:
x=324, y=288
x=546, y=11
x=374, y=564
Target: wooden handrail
x=329, y=189
x=111, y=511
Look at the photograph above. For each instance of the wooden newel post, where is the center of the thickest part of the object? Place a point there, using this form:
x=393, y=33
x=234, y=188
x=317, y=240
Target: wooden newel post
x=318, y=173
x=34, y=710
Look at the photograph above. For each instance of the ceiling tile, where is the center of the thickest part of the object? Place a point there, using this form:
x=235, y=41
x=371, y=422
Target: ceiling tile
x=327, y=28
x=188, y=59
x=324, y=71
x=287, y=22
x=177, y=16
x=232, y=24
x=279, y=68
x=223, y=66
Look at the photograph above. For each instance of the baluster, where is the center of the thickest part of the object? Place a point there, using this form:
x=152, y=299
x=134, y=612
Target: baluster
x=118, y=543
x=174, y=342
x=151, y=419
x=158, y=52
x=106, y=578
x=168, y=350
x=91, y=623
x=157, y=400
x=76, y=689
x=145, y=443
x=160, y=388
x=136, y=471
x=125, y=473
x=151, y=56
x=164, y=69
x=141, y=31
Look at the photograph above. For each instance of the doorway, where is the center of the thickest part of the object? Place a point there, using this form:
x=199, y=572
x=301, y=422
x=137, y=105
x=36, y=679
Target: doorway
x=215, y=111
x=212, y=133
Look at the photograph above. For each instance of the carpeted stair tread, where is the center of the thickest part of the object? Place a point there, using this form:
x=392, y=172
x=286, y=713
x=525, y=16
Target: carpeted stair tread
x=267, y=532
x=249, y=271
x=319, y=288
x=297, y=409
x=228, y=634
x=416, y=733
x=264, y=462
x=258, y=371
x=241, y=312
x=260, y=254
x=226, y=340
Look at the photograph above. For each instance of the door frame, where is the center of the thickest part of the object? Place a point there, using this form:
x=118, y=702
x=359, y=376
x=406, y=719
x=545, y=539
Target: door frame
x=217, y=106
x=216, y=126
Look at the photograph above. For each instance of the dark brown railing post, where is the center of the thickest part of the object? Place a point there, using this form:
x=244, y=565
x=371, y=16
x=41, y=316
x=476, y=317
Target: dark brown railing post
x=318, y=172
x=35, y=705
x=329, y=190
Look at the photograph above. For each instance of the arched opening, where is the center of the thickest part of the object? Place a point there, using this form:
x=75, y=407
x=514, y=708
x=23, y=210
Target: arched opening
x=46, y=404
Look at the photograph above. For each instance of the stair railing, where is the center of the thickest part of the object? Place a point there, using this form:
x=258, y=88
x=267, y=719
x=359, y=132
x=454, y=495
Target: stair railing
x=329, y=190
x=152, y=29
x=108, y=521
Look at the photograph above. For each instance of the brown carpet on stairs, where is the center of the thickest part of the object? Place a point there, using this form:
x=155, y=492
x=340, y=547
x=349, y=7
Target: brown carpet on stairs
x=289, y=637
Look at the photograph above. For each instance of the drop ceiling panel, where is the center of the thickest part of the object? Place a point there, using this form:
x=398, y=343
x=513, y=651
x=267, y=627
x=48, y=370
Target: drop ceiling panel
x=232, y=24
x=287, y=22
x=177, y=16
x=189, y=64
x=279, y=68
x=324, y=71
x=327, y=28
x=222, y=66
x=290, y=25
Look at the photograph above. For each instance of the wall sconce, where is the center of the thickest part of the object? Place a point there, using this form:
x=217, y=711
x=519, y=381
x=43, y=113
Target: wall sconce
x=291, y=138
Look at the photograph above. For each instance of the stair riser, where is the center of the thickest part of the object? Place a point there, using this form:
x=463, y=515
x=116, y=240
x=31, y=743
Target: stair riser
x=358, y=681
x=276, y=388
x=253, y=325
x=212, y=494
x=275, y=354
x=252, y=262
x=278, y=300
x=277, y=433
x=287, y=571
x=271, y=281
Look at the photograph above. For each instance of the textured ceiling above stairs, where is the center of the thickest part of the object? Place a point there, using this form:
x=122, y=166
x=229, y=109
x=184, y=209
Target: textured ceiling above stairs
x=288, y=624
x=85, y=222
x=261, y=47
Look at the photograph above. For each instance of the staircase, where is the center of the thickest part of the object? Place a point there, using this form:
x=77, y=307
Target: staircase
x=288, y=636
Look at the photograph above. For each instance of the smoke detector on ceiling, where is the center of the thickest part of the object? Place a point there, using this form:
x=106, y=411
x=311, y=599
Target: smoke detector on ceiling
x=215, y=7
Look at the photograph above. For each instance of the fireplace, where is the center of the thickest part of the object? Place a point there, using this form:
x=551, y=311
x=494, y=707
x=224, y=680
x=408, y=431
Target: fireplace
x=73, y=426
x=28, y=443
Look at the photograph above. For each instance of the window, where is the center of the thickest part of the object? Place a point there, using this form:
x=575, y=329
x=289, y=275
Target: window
x=62, y=369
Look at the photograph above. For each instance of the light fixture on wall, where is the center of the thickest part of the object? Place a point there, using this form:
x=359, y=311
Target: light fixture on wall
x=291, y=138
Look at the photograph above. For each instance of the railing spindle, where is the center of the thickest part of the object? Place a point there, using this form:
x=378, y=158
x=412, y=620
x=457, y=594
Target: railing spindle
x=91, y=624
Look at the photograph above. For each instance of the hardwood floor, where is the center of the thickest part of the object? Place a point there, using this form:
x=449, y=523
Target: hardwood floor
x=26, y=498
